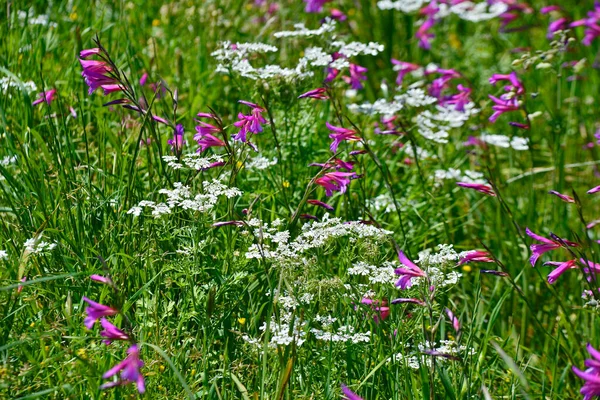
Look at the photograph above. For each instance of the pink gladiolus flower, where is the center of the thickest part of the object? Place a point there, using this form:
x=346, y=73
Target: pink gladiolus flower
x=357, y=76
x=455, y=322
x=502, y=106
x=143, y=79
x=519, y=125
x=46, y=96
x=98, y=74
x=406, y=273
x=592, y=30
x=335, y=182
x=320, y=204
x=380, y=307
x=591, y=376
x=480, y=187
x=314, y=6
x=339, y=135
x=96, y=311
x=249, y=123
x=178, y=141
x=476, y=256
x=101, y=279
x=547, y=245
x=111, y=332
x=309, y=216
x=549, y=9
x=460, y=99
x=338, y=15
x=563, y=197
x=20, y=287
x=515, y=85
x=594, y=190
x=89, y=52
x=557, y=25
x=348, y=394
x=130, y=371
x=561, y=268
x=403, y=68
x=315, y=94
x=424, y=35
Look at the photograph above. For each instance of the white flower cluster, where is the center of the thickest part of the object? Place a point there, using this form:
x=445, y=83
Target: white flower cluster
x=343, y=334
x=384, y=274
x=458, y=176
x=280, y=332
x=406, y=6
x=194, y=161
x=435, y=125
x=181, y=197
x=380, y=107
x=467, y=10
x=314, y=235
x=353, y=49
x=317, y=57
x=415, y=97
x=234, y=58
x=260, y=163
x=382, y=202
x=476, y=12
x=7, y=83
x=516, y=142
x=421, y=153
x=31, y=19
x=415, y=361
x=3, y=255
x=37, y=246
x=300, y=30
x=7, y=160
x=437, y=265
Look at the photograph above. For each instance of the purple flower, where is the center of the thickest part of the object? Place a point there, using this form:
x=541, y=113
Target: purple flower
x=561, y=268
x=403, y=69
x=563, y=197
x=594, y=190
x=591, y=376
x=357, y=76
x=406, y=273
x=96, y=311
x=318, y=93
x=314, y=6
x=424, y=35
x=379, y=306
x=335, y=182
x=339, y=135
x=460, y=99
x=338, y=15
x=205, y=134
x=101, y=279
x=143, y=79
x=249, y=123
x=309, y=216
x=455, y=322
x=46, y=96
x=502, y=106
x=592, y=30
x=98, y=74
x=130, y=371
x=515, y=85
x=320, y=204
x=476, y=256
x=348, y=394
x=178, y=141
x=547, y=245
x=111, y=332
x=480, y=187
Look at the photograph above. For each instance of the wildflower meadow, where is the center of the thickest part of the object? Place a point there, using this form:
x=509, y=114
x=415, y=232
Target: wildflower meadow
x=300, y=199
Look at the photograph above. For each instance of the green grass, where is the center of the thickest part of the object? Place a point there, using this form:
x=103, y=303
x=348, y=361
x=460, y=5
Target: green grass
x=187, y=292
